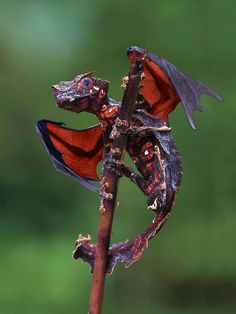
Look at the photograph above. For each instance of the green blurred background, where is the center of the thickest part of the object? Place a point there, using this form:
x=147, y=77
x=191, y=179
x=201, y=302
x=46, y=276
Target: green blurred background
x=190, y=267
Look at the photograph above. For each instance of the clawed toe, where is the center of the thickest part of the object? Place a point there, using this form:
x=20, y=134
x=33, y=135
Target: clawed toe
x=114, y=166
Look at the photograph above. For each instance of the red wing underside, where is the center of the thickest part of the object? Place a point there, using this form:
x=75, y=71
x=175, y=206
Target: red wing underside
x=158, y=90
x=81, y=150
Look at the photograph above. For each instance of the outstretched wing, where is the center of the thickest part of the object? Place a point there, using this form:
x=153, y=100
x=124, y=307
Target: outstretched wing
x=165, y=85
x=74, y=152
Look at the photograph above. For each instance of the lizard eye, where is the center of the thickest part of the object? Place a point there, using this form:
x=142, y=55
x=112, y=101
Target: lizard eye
x=86, y=83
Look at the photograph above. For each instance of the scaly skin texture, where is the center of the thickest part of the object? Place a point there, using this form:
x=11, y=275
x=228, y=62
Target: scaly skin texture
x=146, y=147
x=150, y=146
x=149, y=143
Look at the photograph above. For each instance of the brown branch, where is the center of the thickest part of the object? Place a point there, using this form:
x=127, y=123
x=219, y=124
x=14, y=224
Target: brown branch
x=112, y=180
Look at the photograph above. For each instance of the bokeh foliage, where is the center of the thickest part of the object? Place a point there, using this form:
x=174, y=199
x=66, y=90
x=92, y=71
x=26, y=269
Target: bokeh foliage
x=191, y=266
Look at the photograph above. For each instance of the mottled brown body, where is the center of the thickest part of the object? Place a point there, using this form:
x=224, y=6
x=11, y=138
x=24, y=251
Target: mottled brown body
x=148, y=142
x=149, y=97
x=146, y=147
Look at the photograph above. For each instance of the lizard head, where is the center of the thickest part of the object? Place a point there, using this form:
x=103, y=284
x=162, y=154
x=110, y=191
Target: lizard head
x=83, y=93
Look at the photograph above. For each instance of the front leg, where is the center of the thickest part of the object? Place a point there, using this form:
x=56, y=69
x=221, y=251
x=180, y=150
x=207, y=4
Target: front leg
x=145, y=131
x=134, y=131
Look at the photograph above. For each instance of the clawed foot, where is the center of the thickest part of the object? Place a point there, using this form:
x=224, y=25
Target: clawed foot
x=102, y=208
x=125, y=81
x=119, y=128
x=114, y=166
x=105, y=195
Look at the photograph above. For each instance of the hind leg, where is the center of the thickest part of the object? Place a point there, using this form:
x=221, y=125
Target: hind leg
x=118, y=167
